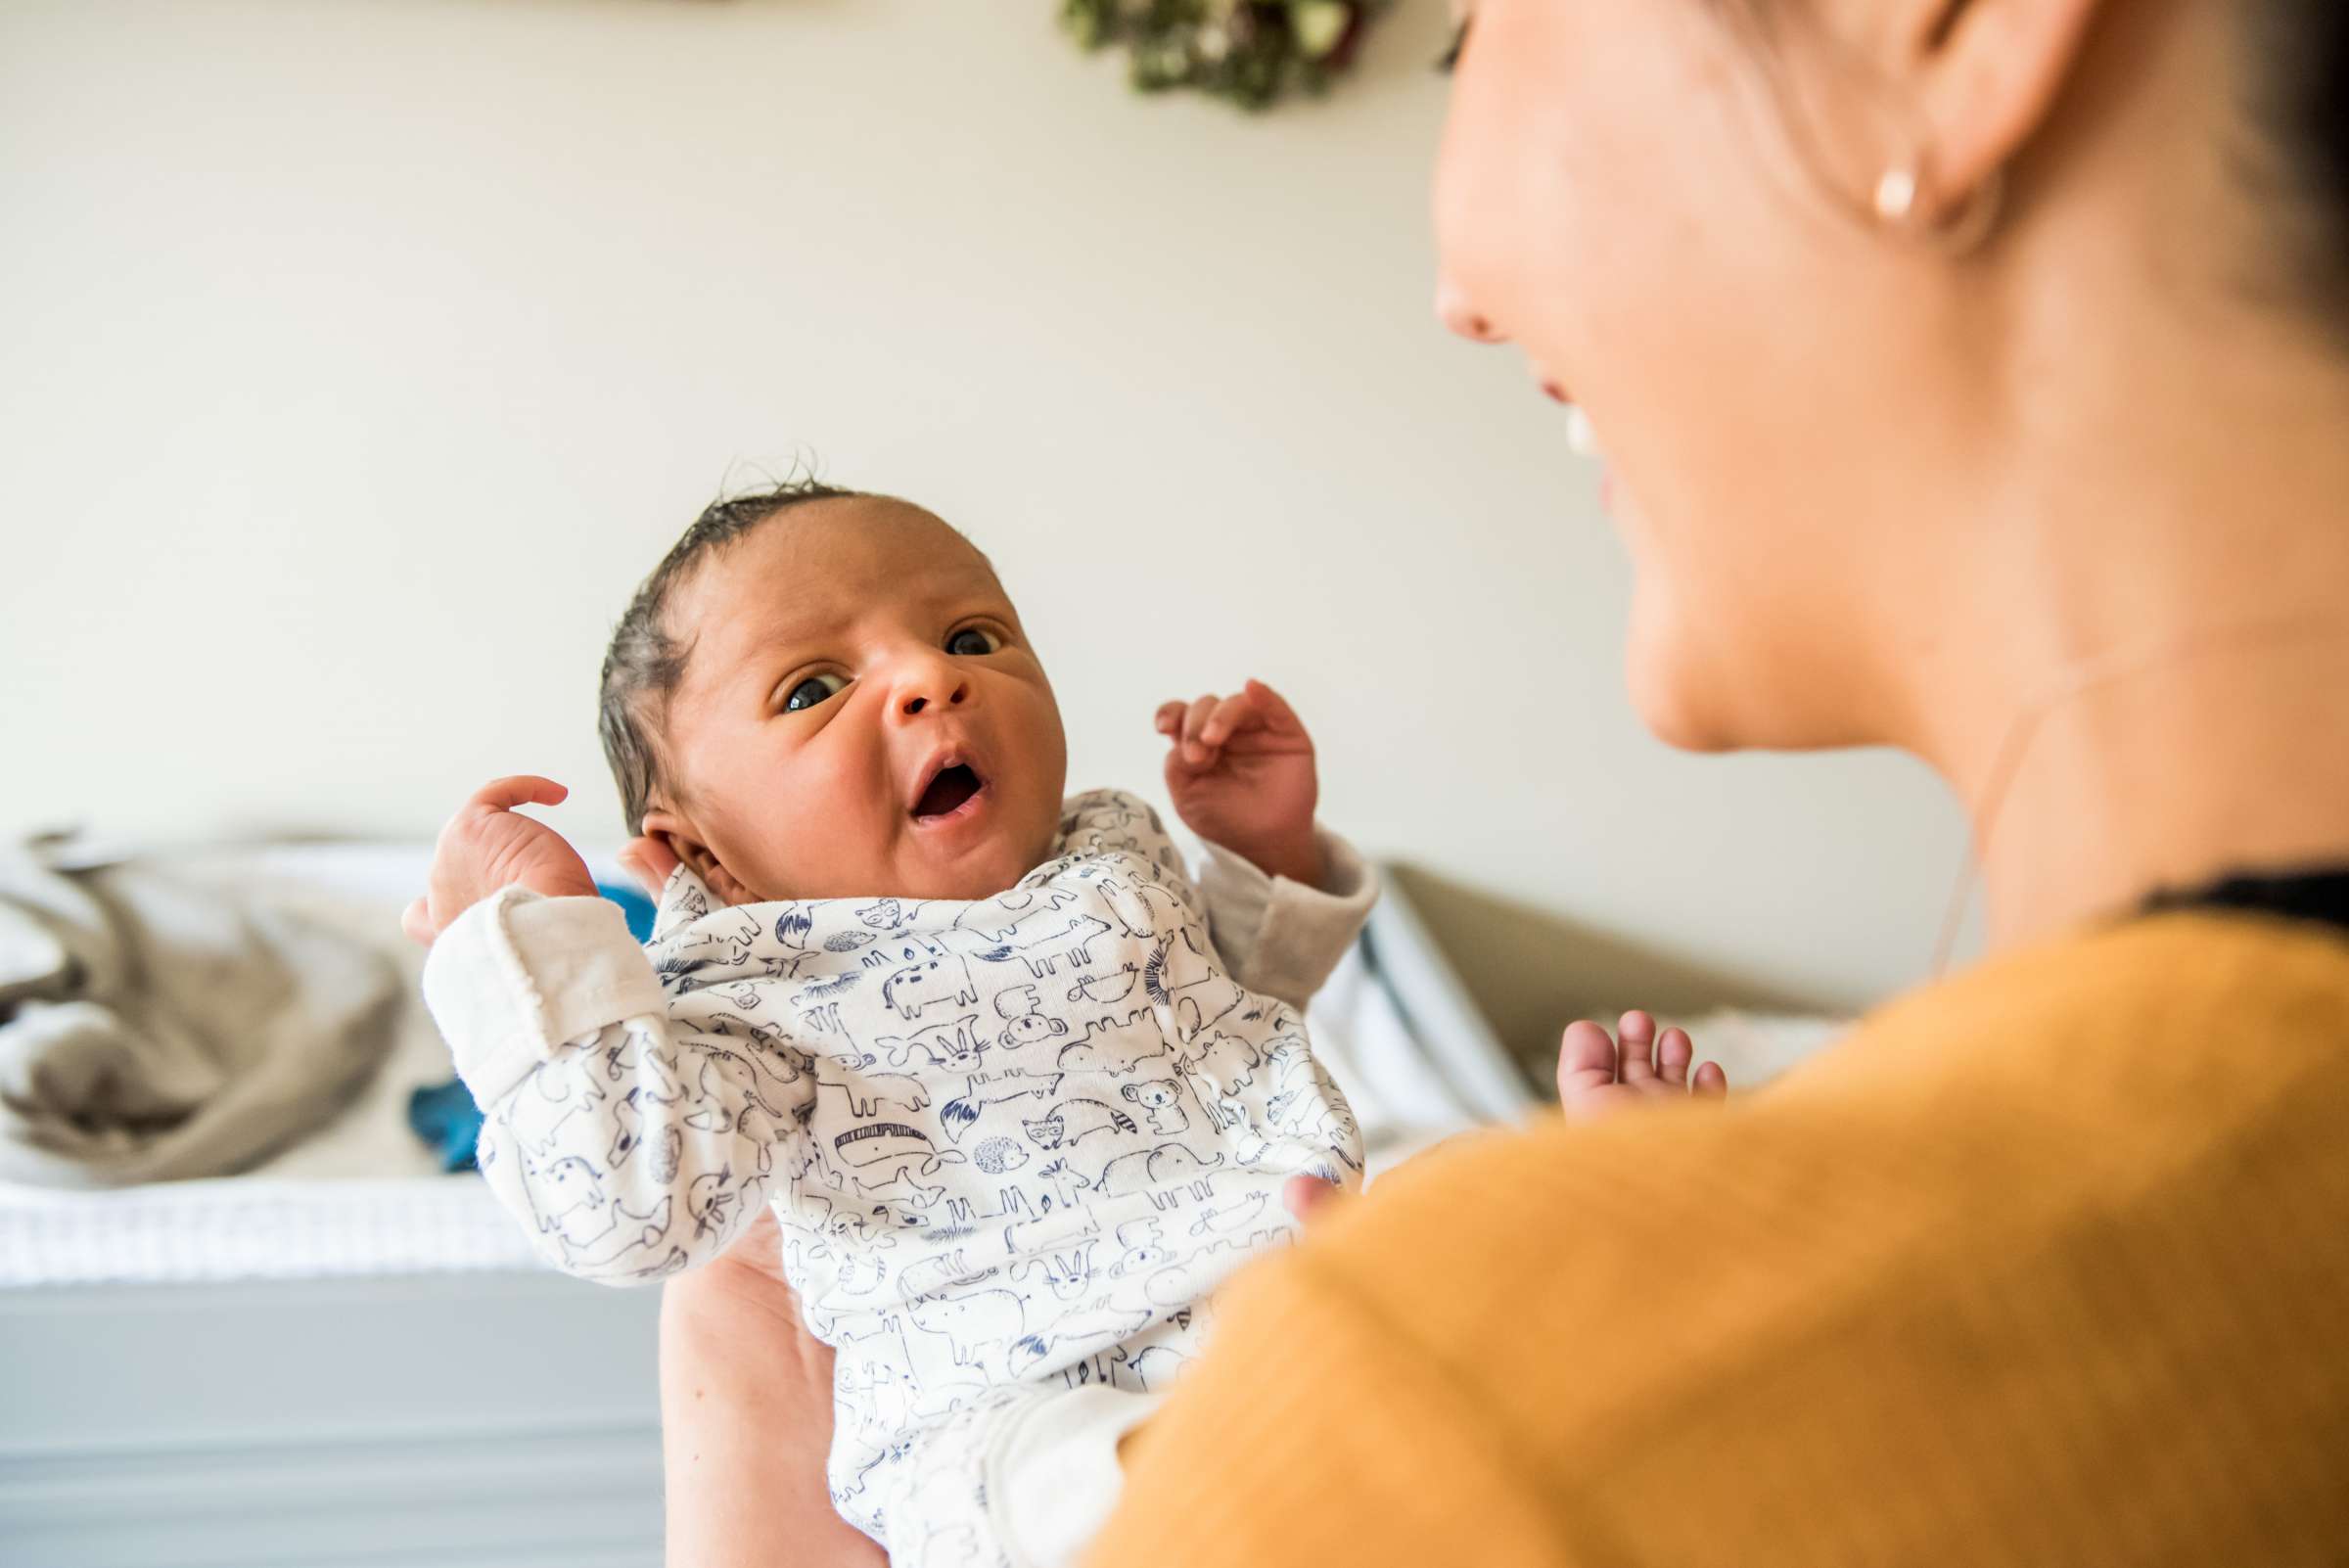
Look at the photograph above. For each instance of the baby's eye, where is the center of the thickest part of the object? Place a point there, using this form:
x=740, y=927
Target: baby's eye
x=973, y=641
x=815, y=689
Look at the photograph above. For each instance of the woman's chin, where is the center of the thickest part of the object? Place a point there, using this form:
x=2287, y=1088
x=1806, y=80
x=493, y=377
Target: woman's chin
x=1678, y=707
x=1678, y=726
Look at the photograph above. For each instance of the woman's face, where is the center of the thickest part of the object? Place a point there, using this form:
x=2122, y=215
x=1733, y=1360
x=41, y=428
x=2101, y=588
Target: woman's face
x=1619, y=198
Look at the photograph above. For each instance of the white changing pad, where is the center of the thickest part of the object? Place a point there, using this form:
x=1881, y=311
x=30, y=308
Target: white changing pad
x=365, y=1197
x=255, y=1227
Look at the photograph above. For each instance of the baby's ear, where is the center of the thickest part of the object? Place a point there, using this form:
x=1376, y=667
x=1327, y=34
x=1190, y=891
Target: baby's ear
x=677, y=835
x=650, y=861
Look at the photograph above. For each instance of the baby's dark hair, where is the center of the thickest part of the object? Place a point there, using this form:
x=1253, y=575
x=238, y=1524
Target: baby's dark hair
x=644, y=664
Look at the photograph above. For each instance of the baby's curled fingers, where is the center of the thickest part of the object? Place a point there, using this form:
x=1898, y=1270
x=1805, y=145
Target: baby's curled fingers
x=416, y=920
x=1273, y=710
x=1227, y=718
x=1168, y=720
x=1196, y=749
x=519, y=789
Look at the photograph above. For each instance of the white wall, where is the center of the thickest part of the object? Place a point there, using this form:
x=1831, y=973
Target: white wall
x=362, y=353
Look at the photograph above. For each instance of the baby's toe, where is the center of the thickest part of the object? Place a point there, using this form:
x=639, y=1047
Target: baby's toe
x=1639, y=1061
x=1674, y=1053
x=1586, y=1067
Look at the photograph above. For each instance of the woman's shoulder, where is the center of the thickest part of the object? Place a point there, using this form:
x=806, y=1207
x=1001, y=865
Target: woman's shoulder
x=2105, y=1066
x=2158, y=977
x=2056, y=1188
x=2003, y=1275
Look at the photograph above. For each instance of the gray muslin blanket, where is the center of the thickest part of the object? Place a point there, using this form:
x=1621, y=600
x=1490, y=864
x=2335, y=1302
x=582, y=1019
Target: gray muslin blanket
x=153, y=1029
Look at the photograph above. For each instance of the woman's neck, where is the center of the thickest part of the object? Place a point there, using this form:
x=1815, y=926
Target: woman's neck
x=2142, y=681
x=2226, y=754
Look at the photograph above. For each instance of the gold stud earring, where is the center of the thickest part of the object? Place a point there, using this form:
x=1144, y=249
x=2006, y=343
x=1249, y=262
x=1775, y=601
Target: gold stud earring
x=1964, y=231
x=1896, y=197
x=1900, y=195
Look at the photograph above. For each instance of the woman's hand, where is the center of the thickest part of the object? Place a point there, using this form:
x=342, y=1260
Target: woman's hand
x=746, y=1419
x=1309, y=1196
x=488, y=846
x=1241, y=775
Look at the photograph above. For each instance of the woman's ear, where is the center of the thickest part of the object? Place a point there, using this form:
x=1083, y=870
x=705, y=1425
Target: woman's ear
x=1985, y=77
x=678, y=833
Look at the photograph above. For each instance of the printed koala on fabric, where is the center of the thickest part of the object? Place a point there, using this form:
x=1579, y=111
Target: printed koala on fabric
x=1013, y=1143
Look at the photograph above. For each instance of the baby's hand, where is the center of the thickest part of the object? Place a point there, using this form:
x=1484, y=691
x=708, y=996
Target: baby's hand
x=1241, y=774
x=1595, y=1077
x=488, y=846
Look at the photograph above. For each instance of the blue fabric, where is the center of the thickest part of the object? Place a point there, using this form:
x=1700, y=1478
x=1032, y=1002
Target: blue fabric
x=635, y=905
x=444, y=1116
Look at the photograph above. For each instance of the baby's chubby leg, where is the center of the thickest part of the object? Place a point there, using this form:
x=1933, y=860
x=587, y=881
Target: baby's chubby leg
x=1021, y=1477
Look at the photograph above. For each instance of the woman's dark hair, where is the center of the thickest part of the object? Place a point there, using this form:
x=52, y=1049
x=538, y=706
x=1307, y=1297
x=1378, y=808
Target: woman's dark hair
x=2298, y=58
x=644, y=664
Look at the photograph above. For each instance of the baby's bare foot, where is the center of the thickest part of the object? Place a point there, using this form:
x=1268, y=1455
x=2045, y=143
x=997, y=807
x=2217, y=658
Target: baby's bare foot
x=1597, y=1075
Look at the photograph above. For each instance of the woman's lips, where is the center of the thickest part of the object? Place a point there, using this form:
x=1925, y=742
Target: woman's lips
x=1582, y=437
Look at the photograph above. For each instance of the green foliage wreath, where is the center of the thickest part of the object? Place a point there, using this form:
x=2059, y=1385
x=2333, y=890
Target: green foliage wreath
x=1249, y=51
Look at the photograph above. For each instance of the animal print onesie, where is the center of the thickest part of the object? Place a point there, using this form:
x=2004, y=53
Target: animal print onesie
x=1013, y=1143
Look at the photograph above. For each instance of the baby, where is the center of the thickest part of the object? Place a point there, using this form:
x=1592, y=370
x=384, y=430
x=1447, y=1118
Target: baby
x=1020, y=1092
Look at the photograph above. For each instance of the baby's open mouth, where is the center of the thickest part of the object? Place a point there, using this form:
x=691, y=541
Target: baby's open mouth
x=949, y=792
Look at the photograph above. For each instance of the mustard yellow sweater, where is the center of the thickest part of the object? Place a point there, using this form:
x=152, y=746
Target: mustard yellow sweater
x=2047, y=1264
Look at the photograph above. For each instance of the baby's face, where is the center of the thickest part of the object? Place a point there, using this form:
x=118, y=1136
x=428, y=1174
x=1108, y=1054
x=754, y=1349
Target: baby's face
x=860, y=714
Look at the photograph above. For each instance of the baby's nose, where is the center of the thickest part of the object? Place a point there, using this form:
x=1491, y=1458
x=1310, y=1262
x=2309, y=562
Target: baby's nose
x=928, y=687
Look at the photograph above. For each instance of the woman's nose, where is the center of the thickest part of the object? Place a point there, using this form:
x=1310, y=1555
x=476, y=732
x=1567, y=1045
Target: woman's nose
x=926, y=685
x=1455, y=312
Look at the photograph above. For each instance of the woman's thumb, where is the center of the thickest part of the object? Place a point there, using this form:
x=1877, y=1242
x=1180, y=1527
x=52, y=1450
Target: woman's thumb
x=1308, y=1197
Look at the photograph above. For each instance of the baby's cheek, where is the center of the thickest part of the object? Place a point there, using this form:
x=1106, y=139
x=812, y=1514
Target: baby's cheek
x=822, y=829
x=857, y=832
x=1042, y=746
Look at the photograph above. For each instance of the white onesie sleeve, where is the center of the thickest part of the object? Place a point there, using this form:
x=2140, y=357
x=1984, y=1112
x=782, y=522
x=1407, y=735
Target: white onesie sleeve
x=629, y=1146
x=1282, y=938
